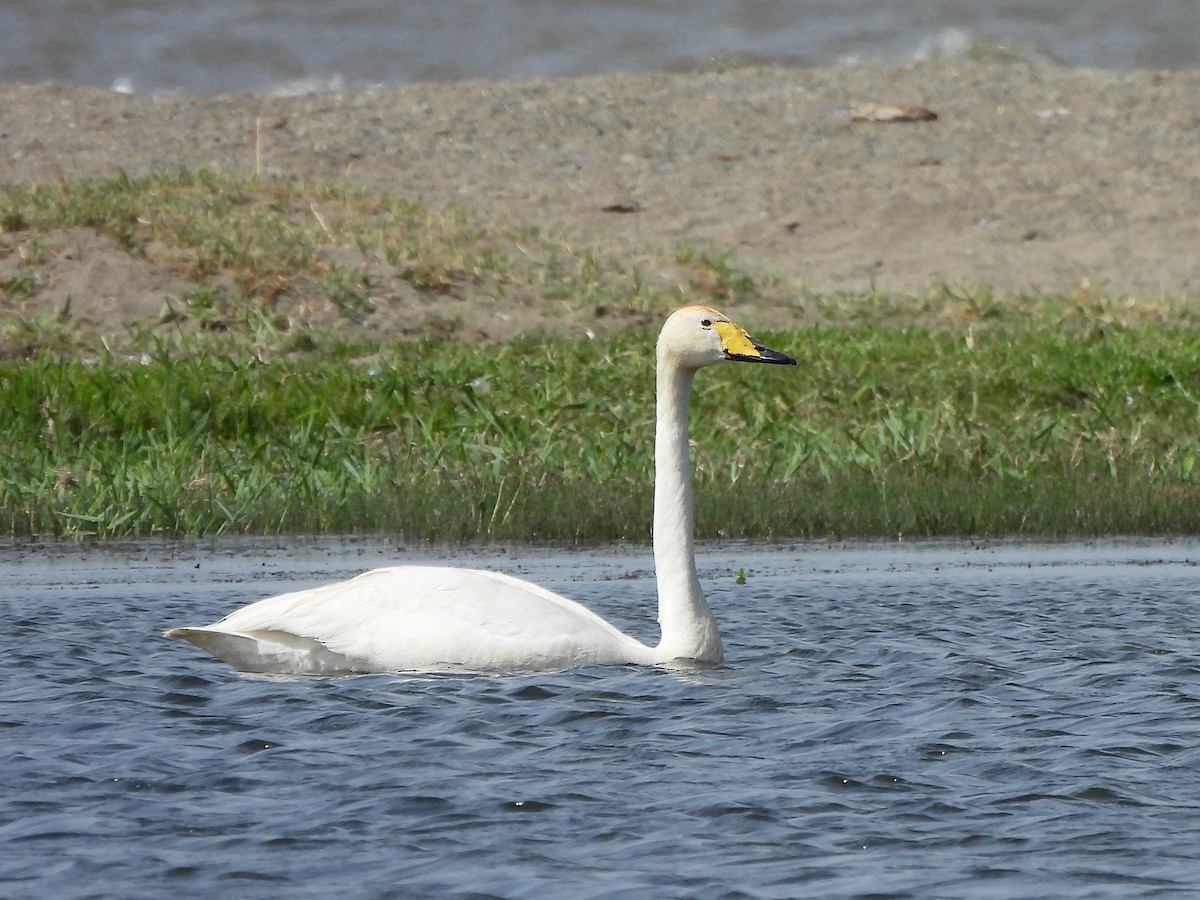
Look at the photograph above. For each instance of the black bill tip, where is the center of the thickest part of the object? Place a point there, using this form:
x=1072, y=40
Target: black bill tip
x=765, y=355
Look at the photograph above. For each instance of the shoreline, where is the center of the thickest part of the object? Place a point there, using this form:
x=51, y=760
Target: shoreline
x=1032, y=179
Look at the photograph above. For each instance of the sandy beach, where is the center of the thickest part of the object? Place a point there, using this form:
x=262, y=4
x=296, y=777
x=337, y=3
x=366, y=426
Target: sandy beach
x=1030, y=178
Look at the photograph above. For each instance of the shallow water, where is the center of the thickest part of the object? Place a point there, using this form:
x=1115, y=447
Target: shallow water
x=232, y=45
x=930, y=720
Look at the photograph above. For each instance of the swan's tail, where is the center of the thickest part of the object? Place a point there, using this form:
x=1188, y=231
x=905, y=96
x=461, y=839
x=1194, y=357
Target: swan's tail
x=268, y=652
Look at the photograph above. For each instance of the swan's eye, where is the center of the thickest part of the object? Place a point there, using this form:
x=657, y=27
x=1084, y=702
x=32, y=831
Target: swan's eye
x=707, y=323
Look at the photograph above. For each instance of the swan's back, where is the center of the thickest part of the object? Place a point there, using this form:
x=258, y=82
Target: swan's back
x=416, y=618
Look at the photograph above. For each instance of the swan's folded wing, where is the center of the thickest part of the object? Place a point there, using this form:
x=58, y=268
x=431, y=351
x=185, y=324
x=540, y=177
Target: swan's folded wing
x=417, y=617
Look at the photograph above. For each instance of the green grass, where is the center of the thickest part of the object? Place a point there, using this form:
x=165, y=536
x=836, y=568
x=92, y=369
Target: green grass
x=1024, y=430
x=956, y=413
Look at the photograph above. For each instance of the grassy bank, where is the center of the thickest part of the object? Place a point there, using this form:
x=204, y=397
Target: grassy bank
x=934, y=416
x=1028, y=431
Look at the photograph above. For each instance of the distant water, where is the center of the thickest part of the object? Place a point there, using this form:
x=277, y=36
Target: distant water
x=932, y=721
x=298, y=45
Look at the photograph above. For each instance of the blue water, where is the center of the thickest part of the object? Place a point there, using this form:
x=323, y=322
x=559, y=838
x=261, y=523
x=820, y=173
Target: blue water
x=930, y=720
x=301, y=45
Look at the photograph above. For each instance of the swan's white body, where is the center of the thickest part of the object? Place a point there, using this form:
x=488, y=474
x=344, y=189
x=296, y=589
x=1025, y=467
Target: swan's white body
x=423, y=618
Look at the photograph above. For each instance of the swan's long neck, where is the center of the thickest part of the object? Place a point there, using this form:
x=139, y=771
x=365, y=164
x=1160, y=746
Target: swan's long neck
x=688, y=628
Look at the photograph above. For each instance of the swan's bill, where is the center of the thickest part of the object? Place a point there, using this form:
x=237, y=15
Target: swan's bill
x=740, y=347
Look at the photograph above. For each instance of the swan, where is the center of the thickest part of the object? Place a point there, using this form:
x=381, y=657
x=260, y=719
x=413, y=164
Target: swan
x=436, y=618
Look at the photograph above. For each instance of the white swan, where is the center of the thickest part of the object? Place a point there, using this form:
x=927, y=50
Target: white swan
x=422, y=618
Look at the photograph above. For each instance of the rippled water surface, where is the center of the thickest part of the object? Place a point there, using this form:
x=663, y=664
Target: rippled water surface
x=929, y=721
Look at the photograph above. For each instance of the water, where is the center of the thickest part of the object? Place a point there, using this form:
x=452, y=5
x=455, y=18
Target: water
x=290, y=45
x=936, y=720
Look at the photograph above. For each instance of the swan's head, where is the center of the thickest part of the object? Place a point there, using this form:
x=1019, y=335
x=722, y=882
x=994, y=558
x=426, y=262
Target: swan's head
x=698, y=336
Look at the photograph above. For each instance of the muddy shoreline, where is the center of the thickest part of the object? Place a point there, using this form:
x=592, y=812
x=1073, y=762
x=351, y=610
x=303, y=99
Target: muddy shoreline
x=1030, y=179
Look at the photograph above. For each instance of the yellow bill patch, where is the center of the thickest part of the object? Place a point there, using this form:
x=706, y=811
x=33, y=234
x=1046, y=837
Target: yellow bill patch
x=734, y=340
